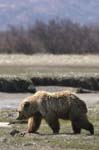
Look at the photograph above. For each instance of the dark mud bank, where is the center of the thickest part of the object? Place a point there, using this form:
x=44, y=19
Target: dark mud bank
x=20, y=84
x=16, y=85
x=84, y=84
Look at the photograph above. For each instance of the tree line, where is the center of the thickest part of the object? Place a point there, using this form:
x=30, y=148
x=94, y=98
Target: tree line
x=55, y=37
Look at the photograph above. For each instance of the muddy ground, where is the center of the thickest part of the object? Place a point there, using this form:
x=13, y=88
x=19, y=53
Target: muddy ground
x=45, y=139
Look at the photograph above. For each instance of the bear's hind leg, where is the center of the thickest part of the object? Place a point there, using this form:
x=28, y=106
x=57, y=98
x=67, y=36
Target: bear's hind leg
x=34, y=123
x=85, y=124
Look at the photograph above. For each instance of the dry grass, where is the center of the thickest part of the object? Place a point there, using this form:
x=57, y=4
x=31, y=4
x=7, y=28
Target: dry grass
x=48, y=59
x=48, y=65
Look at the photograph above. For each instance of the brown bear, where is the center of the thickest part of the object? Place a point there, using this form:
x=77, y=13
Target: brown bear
x=52, y=107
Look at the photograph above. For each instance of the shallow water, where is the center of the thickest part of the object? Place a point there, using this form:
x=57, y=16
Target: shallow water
x=11, y=101
x=8, y=101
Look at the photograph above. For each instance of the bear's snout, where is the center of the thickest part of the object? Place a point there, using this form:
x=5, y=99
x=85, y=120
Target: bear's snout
x=20, y=116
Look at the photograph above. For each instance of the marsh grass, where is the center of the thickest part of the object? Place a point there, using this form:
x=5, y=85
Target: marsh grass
x=48, y=65
x=48, y=59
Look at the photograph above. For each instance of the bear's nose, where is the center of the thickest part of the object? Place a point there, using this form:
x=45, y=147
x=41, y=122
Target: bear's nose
x=18, y=110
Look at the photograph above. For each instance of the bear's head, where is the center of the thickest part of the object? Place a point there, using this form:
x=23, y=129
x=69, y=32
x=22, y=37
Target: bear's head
x=26, y=109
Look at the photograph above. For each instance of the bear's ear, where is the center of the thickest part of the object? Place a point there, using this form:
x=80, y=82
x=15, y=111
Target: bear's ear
x=27, y=104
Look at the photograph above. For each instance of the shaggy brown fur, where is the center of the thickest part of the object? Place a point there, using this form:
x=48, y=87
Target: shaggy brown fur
x=52, y=106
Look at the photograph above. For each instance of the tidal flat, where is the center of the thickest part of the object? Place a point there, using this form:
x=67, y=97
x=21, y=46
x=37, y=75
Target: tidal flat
x=41, y=67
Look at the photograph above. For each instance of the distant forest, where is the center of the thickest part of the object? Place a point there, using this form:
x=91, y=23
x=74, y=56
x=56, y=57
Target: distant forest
x=54, y=37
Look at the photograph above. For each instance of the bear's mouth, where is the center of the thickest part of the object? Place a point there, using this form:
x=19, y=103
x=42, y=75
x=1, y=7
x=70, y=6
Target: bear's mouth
x=21, y=116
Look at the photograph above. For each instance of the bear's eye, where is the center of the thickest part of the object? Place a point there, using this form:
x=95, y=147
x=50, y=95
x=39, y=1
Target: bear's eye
x=26, y=105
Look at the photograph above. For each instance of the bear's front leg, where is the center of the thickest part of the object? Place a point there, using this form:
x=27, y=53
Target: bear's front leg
x=34, y=123
x=53, y=122
x=76, y=127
